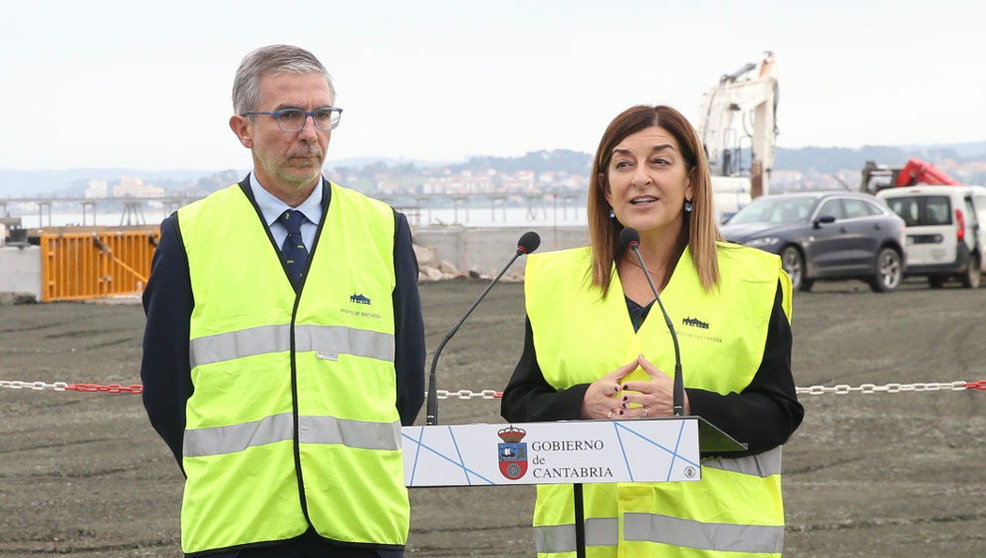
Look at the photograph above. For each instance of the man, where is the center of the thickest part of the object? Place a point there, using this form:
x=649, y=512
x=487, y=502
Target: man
x=284, y=344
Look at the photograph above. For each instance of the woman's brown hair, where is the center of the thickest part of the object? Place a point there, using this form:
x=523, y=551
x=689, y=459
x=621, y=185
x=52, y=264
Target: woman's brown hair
x=700, y=224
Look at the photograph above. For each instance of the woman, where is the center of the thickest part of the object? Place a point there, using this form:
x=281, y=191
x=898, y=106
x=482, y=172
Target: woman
x=593, y=350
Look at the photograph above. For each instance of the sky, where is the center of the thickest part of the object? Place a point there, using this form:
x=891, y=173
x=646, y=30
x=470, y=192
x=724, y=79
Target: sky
x=147, y=86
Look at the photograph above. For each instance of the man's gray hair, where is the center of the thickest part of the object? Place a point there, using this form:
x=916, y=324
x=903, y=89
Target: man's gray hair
x=270, y=61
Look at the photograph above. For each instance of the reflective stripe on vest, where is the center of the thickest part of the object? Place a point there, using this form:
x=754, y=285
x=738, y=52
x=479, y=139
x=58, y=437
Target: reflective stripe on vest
x=599, y=531
x=311, y=430
x=687, y=533
x=760, y=465
x=722, y=334
x=266, y=358
x=662, y=529
x=334, y=340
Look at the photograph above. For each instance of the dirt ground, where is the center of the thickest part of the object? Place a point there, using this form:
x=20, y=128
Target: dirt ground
x=902, y=474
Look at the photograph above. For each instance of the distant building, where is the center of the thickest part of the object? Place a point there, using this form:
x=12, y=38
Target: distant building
x=97, y=189
x=133, y=187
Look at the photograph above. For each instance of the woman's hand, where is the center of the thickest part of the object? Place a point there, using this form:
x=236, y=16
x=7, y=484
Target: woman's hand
x=602, y=399
x=655, y=396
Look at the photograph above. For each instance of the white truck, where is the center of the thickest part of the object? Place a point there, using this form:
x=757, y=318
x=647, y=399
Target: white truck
x=945, y=229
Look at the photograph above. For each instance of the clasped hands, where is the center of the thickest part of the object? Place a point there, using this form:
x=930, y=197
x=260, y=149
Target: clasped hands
x=607, y=398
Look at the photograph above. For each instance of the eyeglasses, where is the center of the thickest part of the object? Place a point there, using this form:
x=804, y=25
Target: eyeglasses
x=293, y=120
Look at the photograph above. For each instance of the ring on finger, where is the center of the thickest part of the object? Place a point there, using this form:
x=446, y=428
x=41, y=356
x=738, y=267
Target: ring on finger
x=645, y=411
x=609, y=414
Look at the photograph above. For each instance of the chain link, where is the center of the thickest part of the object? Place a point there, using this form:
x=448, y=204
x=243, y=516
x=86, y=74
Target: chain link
x=844, y=389
x=111, y=388
x=13, y=384
x=62, y=386
x=467, y=394
x=981, y=384
x=838, y=389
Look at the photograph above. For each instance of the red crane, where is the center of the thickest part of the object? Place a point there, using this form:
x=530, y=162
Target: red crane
x=877, y=177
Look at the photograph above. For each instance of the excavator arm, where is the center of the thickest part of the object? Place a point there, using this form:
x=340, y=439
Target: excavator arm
x=738, y=118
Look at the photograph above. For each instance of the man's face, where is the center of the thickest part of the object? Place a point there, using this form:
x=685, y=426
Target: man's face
x=287, y=163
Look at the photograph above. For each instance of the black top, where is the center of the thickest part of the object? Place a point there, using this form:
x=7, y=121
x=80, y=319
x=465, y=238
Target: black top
x=764, y=415
x=168, y=302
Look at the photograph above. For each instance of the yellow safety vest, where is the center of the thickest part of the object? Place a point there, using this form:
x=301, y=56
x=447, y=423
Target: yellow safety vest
x=736, y=509
x=293, y=419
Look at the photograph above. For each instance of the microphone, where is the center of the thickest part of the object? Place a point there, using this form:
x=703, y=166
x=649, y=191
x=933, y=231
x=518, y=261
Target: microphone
x=528, y=243
x=630, y=238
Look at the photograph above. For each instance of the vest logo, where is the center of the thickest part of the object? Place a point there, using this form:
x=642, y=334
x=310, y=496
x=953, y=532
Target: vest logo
x=359, y=299
x=695, y=322
x=512, y=452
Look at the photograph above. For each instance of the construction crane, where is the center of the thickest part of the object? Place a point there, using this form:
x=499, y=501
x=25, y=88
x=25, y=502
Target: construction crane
x=877, y=177
x=738, y=128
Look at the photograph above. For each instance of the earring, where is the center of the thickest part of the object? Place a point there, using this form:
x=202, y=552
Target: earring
x=688, y=206
x=612, y=214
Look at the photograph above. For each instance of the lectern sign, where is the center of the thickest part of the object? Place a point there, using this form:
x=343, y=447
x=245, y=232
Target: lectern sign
x=655, y=450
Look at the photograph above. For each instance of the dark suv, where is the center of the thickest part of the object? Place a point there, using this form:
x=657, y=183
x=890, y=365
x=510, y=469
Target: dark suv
x=825, y=235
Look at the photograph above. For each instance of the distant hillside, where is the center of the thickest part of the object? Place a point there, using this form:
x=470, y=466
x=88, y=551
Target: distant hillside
x=16, y=183
x=975, y=151
x=808, y=160
x=834, y=159
x=572, y=162
x=360, y=162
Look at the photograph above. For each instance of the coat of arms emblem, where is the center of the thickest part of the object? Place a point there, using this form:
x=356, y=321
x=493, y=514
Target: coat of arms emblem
x=512, y=452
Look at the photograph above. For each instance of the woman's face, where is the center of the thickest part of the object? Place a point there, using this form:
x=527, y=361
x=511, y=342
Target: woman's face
x=648, y=182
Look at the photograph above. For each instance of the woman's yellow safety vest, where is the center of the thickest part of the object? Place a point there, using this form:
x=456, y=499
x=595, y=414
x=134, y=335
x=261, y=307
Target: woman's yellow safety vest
x=579, y=336
x=293, y=419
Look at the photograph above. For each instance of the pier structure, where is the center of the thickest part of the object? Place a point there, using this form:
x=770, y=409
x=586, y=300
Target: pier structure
x=539, y=207
x=132, y=207
x=419, y=207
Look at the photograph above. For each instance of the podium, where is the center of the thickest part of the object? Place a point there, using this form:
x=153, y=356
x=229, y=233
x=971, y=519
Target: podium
x=662, y=449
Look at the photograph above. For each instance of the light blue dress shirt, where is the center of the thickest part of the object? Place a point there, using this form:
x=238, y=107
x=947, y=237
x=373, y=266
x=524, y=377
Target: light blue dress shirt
x=272, y=208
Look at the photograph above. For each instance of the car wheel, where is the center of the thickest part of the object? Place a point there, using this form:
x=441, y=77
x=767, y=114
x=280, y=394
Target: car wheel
x=935, y=281
x=888, y=272
x=794, y=265
x=973, y=275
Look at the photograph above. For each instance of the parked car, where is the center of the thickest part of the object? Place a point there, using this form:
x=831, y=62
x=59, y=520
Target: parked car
x=945, y=237
x=825, y=235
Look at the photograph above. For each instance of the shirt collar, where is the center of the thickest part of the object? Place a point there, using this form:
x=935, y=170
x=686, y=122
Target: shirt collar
x=272, y=208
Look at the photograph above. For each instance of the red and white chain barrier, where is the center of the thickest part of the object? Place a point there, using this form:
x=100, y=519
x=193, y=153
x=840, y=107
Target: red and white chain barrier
x=62, y=386
x=840, y=389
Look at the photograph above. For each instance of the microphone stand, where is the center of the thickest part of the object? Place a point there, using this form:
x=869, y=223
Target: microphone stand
x=528, y=243
x=678, y=389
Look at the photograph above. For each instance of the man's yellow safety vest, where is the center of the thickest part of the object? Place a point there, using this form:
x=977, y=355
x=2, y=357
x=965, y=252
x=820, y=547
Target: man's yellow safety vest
x=736, y=509
x=293, y=419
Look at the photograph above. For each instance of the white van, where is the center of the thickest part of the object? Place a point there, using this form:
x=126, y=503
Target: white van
x=945, y=231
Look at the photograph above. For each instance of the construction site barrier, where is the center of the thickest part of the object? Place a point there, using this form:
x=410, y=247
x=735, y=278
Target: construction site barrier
x=842, y=389
x=95, y=262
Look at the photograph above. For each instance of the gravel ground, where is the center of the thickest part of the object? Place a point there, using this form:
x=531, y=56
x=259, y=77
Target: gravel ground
x=84, y=475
